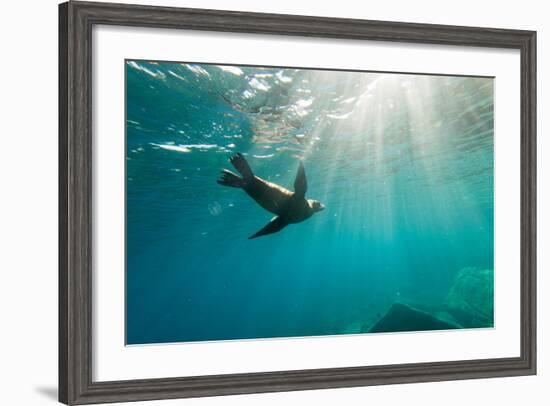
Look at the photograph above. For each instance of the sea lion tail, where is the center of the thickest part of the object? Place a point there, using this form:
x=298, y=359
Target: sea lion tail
x=240, y=164
x=228, y=178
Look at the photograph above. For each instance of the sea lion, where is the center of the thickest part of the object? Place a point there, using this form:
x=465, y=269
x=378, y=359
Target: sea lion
x=289, y=207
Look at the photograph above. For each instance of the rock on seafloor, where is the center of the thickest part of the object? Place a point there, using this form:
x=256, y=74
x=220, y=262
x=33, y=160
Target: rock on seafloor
x=471, y=298
x=401, y=317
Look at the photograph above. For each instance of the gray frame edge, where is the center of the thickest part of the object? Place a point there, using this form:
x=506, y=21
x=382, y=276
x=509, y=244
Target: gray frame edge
x=63, y=340
x=75, y=179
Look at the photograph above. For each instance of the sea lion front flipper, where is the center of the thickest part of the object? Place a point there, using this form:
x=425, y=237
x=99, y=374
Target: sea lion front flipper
x=276, y=224
x=300, y=183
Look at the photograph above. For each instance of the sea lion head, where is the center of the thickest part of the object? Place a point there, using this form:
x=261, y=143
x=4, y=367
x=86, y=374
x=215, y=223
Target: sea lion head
x=316, y=205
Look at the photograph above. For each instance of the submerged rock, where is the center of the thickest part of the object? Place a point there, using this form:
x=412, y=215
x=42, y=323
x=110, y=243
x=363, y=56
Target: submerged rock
x=471, y=298
x=401, y=317
x=353, y=328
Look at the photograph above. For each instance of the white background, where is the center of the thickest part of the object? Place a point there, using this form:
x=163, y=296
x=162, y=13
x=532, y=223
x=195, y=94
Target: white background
x=28, y=222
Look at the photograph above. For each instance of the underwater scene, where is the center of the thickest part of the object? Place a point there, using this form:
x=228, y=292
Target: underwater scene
x=268, y=202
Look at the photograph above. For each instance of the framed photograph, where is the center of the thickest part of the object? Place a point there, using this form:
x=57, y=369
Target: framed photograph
x=257, y=202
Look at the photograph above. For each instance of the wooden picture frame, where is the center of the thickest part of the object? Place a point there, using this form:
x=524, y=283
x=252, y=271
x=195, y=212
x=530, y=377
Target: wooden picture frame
x=76, y=20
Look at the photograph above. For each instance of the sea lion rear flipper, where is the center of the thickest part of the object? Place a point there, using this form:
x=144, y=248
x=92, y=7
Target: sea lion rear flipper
x=300, y=183
x=228, y=178
x=276, y=224
x=240, y=164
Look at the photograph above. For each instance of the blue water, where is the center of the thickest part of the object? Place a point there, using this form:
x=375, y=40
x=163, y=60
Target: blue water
x=403, y=164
